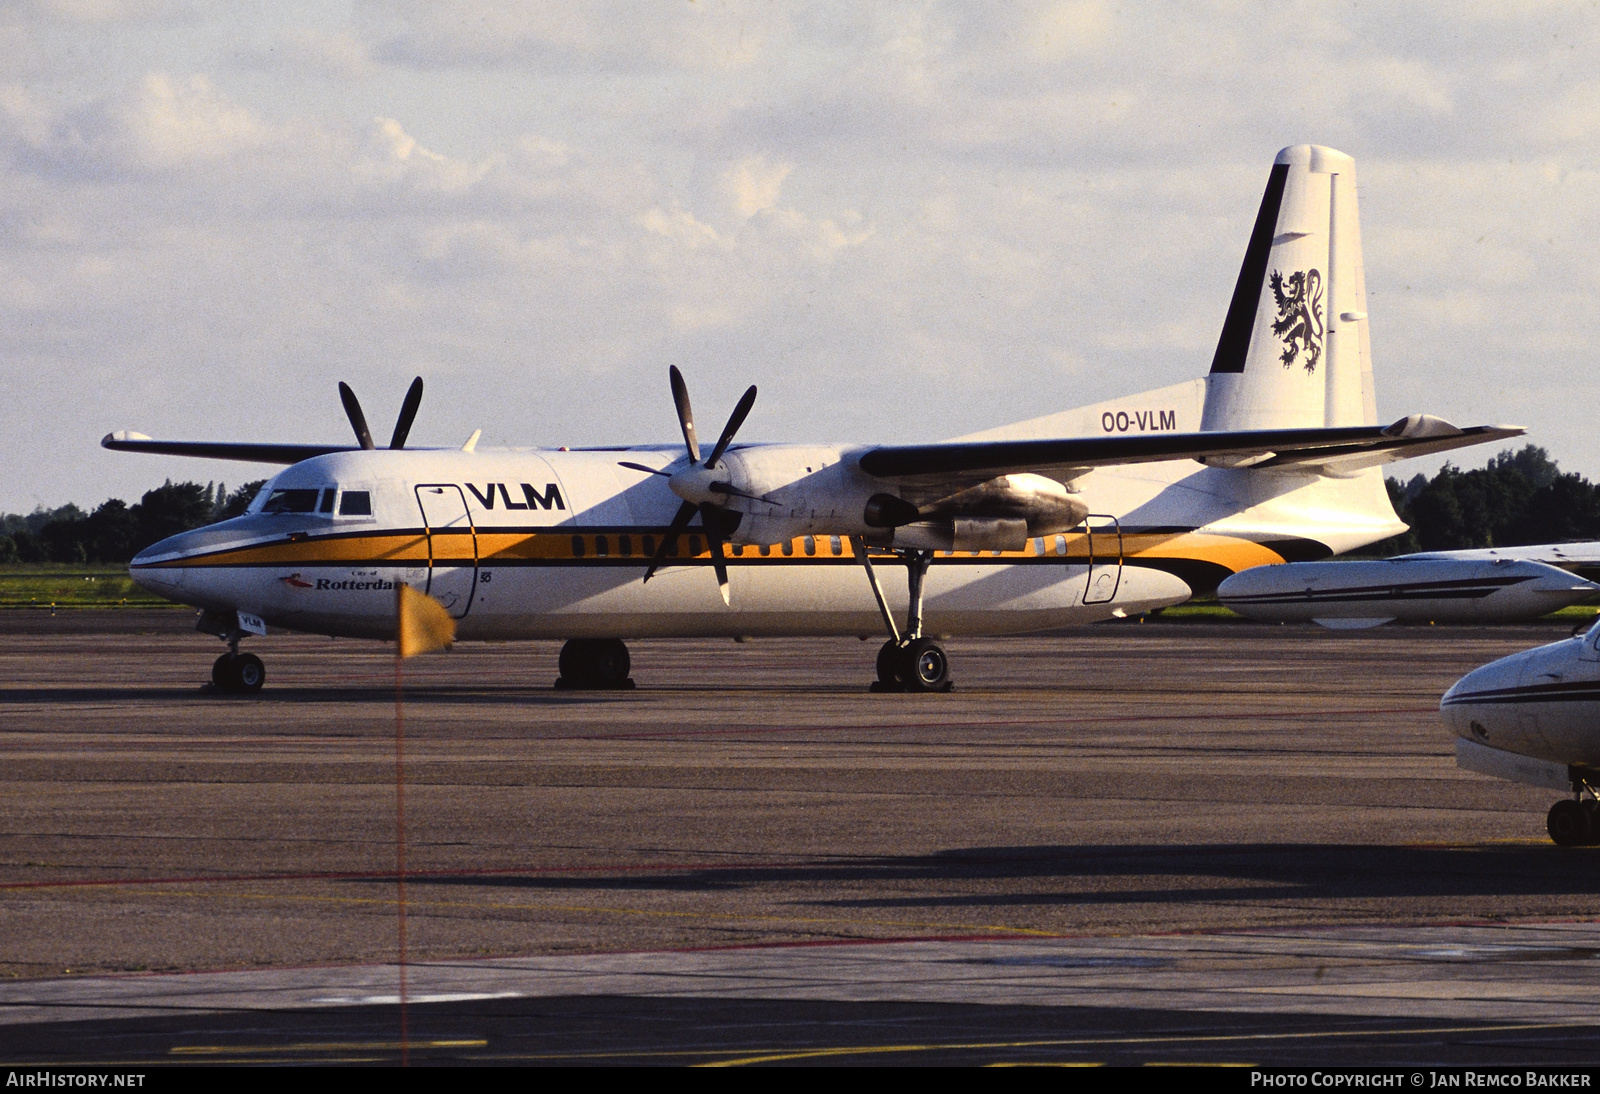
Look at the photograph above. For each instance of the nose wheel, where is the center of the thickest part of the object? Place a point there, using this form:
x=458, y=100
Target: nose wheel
x=1574, y=823
x=238, y=673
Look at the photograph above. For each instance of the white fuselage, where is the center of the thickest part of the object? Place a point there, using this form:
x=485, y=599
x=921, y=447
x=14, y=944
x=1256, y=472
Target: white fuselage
x=541, y=543
x=1409, y=589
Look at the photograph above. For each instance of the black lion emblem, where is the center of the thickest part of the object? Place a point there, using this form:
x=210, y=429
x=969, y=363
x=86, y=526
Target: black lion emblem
x=1299, y=321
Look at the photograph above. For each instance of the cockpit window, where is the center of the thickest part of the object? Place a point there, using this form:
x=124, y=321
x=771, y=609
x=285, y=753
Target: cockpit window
x=327, y=499
x=291, y=501
x=356, y=503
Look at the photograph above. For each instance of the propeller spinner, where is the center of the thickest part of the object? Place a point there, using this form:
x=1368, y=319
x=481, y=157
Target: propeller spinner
x=697, y=484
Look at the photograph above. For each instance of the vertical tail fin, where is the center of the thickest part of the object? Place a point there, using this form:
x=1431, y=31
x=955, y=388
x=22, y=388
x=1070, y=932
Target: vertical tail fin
x=1294, y=350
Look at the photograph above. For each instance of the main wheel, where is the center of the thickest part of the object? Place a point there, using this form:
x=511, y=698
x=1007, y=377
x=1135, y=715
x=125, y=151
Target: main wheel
x=609, y=663
x=1568, y=823
x=222, y=672
x=889, y=665
x=924, y=666
x=574, y=662
x=594, y=663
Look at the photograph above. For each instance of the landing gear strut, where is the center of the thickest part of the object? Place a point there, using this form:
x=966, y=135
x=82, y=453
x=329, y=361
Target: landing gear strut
x=908, y=661
x=594, y=664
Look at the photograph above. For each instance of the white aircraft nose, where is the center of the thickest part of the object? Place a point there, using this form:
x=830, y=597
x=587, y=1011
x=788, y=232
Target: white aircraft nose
x=1480, y=701
x=1567, y=585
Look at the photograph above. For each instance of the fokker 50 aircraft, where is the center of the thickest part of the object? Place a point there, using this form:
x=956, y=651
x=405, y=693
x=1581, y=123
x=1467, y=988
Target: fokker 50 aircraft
x=1111, y=509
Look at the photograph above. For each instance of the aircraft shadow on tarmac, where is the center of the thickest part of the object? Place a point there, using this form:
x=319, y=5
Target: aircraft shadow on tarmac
x=1065, y=875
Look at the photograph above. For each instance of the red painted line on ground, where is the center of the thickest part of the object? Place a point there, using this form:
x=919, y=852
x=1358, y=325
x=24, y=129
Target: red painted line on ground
x=1237, y=715
x=391, y=875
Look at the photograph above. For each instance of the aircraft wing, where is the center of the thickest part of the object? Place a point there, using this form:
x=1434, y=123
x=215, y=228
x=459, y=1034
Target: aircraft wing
x=221, y=450
x=1335, y=451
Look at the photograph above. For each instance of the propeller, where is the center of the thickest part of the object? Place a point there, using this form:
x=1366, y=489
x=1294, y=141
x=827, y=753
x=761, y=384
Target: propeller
x=402, y=425
x=697, y=485
x=408, y=414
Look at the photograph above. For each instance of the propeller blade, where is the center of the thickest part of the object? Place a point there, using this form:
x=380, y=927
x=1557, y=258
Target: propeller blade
x=642, y=467
x=408, y=414
x=735, y=420
x=686, y=513
x=358, y=420
x=708, y=517
x=680, y=396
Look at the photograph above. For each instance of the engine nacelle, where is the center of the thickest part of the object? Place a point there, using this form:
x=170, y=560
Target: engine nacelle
x=1042, y=504
x=964, y=534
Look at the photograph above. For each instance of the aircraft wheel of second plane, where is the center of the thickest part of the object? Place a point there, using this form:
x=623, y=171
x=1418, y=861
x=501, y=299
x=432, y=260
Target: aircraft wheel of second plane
x=1569, y=824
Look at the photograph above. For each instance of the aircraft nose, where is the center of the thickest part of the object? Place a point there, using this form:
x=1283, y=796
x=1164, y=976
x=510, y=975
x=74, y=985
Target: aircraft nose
x=1562, y=587
x=159, y=567
x=1476, y=704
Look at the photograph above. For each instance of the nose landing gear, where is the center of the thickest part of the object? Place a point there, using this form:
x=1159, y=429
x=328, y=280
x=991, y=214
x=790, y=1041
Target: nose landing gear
x=907, y=662
x=1575, y=821
x=233, y=673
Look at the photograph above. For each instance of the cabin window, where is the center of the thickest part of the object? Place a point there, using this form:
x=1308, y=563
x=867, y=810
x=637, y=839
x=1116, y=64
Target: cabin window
x=835, y=545
x=738, y=550
x=811, y=545
x=625, y=546
x=694, y=546
x=291, y=501
x=355, y=503
x=602, y=546
x=788, y=548
x=327, y=499
x=1038, y=546
x=577, y=546
x=1061, y=545
x=765, y=549
x=649, y=545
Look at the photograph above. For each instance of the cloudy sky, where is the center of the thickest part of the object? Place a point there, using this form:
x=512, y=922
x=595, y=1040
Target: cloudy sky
x=903, y=221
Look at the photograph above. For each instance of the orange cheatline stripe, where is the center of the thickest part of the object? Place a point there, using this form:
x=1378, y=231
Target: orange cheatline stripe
x=1229, y=552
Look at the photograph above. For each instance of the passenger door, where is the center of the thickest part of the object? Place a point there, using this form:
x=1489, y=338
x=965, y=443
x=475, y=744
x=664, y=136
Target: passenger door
x=1105, y=558
x=452, y=546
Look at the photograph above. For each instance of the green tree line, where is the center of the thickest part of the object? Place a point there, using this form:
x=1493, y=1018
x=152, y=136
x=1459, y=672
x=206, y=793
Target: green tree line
x=1518, y=498
x=116, y=531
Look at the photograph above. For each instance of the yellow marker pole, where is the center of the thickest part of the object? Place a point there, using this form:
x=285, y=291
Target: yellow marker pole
x=421, y=624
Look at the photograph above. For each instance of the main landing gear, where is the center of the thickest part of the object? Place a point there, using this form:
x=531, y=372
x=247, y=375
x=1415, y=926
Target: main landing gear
x=594, y=664
x=908, y=661
x=1575, y=821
